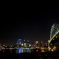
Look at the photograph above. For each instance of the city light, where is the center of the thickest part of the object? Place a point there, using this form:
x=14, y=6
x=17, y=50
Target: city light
x=23, y=46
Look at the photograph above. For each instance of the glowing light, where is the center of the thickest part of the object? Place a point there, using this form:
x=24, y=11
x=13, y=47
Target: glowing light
x=49, y=48
x=23, y=50
x=20, y=50
x=22, y=44
x=53, y=36
x=36, y=42
x=29, y=45
x=25, y=45
x=54, y=31
x=52, y=50
x=42, y=49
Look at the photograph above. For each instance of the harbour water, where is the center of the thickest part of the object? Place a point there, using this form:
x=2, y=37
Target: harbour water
x=11, y=54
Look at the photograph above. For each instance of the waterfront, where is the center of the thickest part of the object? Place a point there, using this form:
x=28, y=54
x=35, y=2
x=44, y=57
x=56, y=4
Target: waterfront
x=33, y=55
x=35, y=39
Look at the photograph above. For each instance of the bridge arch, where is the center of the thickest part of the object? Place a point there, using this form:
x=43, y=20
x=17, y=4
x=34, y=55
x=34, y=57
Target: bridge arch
x=54, y=37
x=54, y=32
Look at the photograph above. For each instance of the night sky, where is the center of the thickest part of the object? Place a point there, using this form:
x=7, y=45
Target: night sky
x=28, y=27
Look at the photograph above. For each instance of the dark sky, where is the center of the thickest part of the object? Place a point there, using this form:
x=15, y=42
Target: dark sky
x=29, y=27
x=35, y=27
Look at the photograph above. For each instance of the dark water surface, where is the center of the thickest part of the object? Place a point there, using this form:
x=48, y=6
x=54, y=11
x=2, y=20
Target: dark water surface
x=33, y=55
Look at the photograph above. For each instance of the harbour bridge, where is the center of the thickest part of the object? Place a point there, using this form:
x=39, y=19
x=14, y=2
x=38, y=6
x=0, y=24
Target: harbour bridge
x=54, y=34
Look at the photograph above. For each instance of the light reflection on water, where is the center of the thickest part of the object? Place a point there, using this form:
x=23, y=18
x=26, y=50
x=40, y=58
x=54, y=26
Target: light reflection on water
x=23, y=50
x=32, y=55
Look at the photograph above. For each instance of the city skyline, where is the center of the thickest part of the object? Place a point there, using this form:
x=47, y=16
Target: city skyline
x=28, y=27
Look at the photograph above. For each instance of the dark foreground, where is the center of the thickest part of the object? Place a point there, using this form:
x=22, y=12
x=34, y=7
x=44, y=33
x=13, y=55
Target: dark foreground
x=33, y=55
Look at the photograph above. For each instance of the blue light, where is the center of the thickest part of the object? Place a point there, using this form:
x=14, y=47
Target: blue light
x=21, y=50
